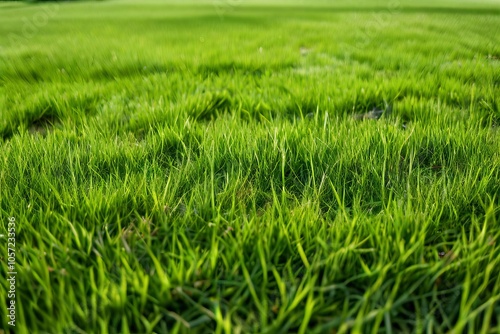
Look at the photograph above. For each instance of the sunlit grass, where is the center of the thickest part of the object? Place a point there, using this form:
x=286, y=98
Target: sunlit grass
x=180, y=168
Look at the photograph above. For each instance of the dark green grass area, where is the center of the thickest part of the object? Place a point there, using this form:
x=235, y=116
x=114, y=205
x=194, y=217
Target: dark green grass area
x=200, y=167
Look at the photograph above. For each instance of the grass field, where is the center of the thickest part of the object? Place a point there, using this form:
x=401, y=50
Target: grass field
x=177, y=167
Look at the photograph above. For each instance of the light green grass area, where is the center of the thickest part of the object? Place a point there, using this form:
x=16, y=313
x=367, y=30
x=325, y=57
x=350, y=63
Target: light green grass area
x=196, y=167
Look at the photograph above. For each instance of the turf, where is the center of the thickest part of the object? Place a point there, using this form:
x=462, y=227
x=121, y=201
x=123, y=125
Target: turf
x=196, y=167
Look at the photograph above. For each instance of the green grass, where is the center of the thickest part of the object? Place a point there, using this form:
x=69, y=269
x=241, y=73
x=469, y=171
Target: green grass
x=184, y=167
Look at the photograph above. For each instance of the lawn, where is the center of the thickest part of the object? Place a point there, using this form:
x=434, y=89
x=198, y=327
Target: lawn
x=175, y=167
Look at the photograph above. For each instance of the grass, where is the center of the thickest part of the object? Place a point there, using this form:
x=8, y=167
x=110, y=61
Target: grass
x=179, y=167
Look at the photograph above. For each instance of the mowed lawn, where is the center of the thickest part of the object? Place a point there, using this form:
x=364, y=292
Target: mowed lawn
x=176, y=167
